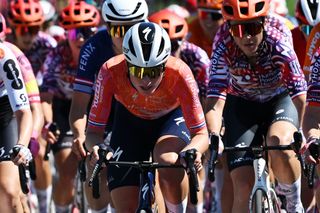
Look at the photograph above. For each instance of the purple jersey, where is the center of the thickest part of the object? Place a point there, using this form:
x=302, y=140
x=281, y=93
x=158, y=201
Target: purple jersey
x=276, y=70
x=198, y=61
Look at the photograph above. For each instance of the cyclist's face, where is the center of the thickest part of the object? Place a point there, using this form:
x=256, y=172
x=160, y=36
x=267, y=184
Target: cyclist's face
x=25, y=36
x=210, y=22
x=248, y=35
x=117, y=32
x=146, y=86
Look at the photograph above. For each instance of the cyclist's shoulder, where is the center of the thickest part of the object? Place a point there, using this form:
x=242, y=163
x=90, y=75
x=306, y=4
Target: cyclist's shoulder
x=43, y=39
x=115, y=63
x=197, y=53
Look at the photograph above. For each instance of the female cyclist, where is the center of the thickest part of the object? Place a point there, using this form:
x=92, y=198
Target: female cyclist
x=157, y=110
x=80, y=20
x=119, y=16
x=15, y=129
x=196, y=58
x=257, y=82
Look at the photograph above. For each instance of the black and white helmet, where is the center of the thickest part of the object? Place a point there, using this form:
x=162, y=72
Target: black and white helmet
x=146, y=44
x=311, y=11
x=124, y=11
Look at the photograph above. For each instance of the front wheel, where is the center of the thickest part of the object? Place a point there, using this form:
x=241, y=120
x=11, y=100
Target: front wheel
x=260, y=202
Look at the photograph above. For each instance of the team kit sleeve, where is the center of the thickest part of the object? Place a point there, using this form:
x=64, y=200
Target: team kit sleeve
x=49, y=77
x=101, y=104
x=313, y=95
x=293, y=74
x=187, y=91
x=12, y=78
x=29, y=79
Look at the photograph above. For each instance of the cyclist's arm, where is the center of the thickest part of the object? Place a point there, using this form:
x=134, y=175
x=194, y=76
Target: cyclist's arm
x=46, y=101
x=213, y=113
x=100, y=108
x=300, y=104
x=14, y=85
x=78, y=113
x=33, y=94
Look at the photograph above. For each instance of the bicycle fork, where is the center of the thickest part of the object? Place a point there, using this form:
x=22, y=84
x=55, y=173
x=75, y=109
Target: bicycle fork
x=262, y=183
x=146, y=192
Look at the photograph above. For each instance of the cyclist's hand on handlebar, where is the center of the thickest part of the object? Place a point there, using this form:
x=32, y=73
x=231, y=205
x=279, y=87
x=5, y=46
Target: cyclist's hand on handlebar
x=197, y=162
x=78, y=147
x=310, y=150
x=51, y=132
x=94, y=155
x=22, y=157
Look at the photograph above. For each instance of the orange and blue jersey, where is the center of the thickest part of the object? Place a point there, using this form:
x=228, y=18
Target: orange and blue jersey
x=276, y=70
x=178, y=88
x=27, y=73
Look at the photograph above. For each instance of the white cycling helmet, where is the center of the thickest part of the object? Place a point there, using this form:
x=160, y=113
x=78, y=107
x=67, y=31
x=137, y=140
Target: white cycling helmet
x=311, y=11
x=124, y=11
x=146, y=44
x=48, y=10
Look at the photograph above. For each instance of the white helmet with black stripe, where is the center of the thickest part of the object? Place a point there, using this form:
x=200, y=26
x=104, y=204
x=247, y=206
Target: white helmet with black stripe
x=124, y=11
x=311, y=11
x=146, y=44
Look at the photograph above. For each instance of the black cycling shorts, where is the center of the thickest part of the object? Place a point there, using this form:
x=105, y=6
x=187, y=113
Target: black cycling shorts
x=133, y=139
x=8, y=127
x=247, y=122
x=61, y=109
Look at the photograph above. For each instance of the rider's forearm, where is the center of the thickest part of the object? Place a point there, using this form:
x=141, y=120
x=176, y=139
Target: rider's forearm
x=78, y=113
x=200, y=142
x=213, y=113
x=93, y=138
x=300, y=104
x=38, y=119
x=46, y=99
x=24, y=120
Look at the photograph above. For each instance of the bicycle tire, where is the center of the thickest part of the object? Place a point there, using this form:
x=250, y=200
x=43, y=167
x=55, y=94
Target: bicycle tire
x=275, y=201
x=260, y=202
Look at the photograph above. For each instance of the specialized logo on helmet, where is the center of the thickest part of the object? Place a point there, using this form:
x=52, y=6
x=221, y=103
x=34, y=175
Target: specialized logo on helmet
x=146, y=33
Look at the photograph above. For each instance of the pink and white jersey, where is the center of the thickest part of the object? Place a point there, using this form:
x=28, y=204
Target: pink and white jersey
x=276, y=70
x=27, y=73
x=11, y=81
x=178, y=88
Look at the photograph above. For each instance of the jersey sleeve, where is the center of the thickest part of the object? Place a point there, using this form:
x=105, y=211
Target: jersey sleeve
x=189, y=100
x=50, y=83
x=29, y=78
x=101, y=104
x=313, y=43
x=293, y=75
x=218, y=76
x=313, y=95
x=12, y=78
x=93, y=54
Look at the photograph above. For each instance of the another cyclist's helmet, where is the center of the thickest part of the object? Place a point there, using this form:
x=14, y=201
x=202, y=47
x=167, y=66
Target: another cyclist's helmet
x=239, y=10
x=79, y=14
x=176, y=26
x=308, y=12
x=3, y=27
x=146, y=44
x=48, y=10
x=25, y=13
x=210, y=4
x=124, y=11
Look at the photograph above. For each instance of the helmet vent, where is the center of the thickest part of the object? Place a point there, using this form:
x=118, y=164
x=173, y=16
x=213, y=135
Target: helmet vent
x=244, y=10
x=77, y=12
x=179, y=28
x=228, y=10
x=161, y=47
x=131, y=47
x=259, y=6
x=146, y=50
x=313, y=5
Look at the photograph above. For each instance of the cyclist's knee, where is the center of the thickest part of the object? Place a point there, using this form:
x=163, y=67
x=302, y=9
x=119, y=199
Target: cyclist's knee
x=165, y=158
